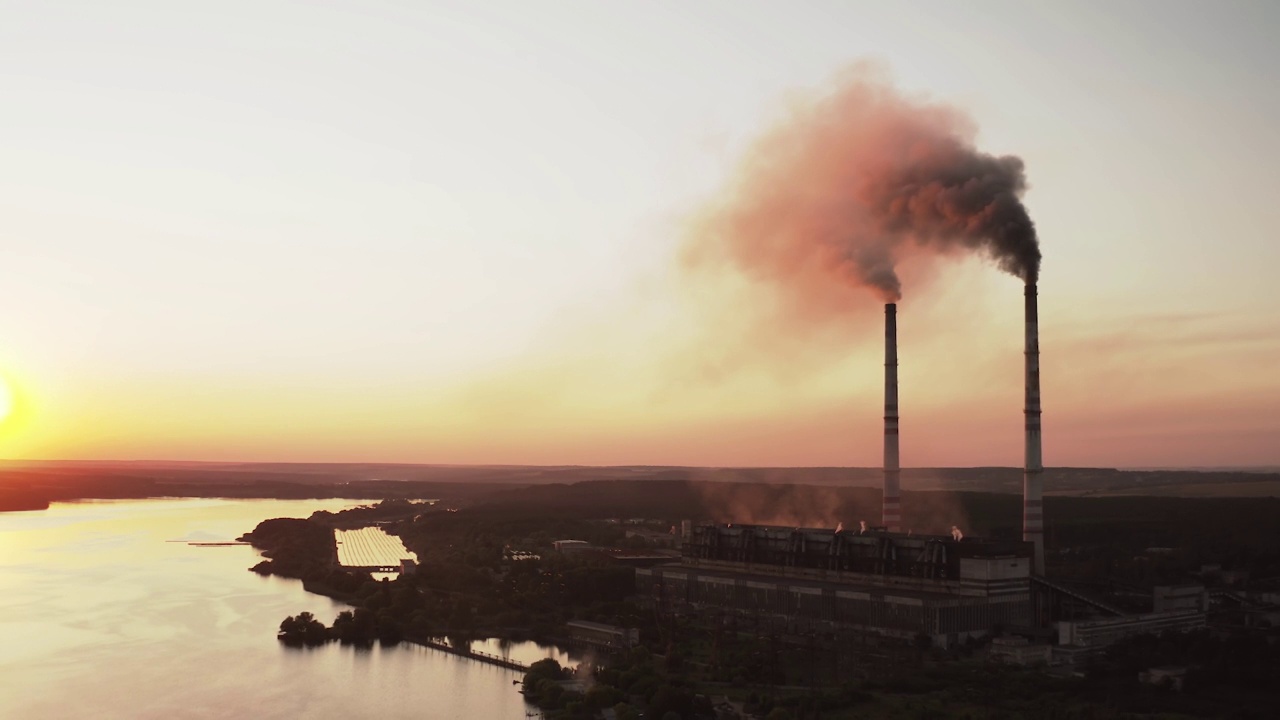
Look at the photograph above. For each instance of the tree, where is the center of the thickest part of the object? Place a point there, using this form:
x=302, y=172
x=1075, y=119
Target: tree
x=389, y=630
x=601, y=696
x=923, y=642
x=541, y=682
x=304, y=629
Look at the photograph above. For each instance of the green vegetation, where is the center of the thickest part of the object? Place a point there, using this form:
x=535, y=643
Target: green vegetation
x=463, y=587
x=1088, y=537
x=632, y=683
x=351, y=627
x=461, y=567
x=971, y=690
x=389, y=509
x=1236, y=675
x=304, y=629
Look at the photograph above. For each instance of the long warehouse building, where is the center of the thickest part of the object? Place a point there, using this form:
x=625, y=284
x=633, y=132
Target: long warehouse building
x=801, y=580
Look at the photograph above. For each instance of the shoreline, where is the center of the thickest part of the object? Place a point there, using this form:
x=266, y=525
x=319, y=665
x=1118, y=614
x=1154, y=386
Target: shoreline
x=434, y=641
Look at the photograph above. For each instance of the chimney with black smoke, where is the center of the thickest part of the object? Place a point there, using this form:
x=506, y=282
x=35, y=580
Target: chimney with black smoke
x=1032, y=502
x=855, y=178
x=891, y=516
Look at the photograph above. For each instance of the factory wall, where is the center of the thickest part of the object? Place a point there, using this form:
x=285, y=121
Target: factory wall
x=797, y=605
x=1097, y=633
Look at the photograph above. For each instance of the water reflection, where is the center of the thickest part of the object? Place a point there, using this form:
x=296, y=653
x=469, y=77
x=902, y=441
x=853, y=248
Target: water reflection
x=102, y=617
x=528, y=652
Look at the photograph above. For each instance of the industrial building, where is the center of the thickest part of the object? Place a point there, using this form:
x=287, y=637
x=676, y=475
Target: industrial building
x=1019, y=651
x=1104, y=631
x=570, y=547
x=878, y=581
x=602, y=635
x=881, y=582
x=804, y=580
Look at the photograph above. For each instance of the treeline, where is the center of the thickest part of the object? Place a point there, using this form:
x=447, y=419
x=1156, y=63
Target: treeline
x=462, y=551
x=22, y=498
x=382, y=611
x=32, y=489
x=293, y=547
x=1137, y=519
x=389, y=509
x=634, y=685
x=463, y=586
x=1236, y=676
x=439, y=601
x=1233, y=678
x=1097, y=536
x=26, y=490
x=351, y=627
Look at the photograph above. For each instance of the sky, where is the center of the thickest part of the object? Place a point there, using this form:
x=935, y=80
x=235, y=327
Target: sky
x=452, y=233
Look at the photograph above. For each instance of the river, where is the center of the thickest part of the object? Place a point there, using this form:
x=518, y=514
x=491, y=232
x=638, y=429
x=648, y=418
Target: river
x=103, y=615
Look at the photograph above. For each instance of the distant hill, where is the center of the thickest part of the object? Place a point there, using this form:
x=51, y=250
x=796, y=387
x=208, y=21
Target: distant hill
x=30, y=484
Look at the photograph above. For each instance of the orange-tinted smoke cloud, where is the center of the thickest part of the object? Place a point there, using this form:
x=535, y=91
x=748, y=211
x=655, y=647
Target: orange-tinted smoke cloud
x=850, y=183
x=770, y=498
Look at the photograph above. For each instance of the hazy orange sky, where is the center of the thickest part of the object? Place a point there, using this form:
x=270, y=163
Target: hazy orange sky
x=451, y=232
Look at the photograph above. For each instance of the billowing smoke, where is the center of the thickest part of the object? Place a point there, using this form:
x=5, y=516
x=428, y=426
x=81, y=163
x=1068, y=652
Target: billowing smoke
x=762, y=502
x=780, y=504
x=854, y=180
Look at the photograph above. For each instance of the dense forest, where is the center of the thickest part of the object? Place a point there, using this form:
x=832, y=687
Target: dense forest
x=1084, y=534
x=464, y=586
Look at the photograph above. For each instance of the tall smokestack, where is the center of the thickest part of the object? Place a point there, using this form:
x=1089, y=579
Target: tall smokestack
x=891, y=516
x=1032, y=502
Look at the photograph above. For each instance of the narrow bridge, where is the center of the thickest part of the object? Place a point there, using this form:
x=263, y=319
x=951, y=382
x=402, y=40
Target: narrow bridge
x=484, y=657
x=1235, y=597
x=1055, y=588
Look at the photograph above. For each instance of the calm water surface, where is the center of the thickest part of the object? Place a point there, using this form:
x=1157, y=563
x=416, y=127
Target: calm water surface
x=101, y=616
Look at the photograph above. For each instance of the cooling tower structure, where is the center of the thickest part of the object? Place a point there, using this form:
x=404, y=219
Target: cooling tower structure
x=891, y=515
x=1032, y=502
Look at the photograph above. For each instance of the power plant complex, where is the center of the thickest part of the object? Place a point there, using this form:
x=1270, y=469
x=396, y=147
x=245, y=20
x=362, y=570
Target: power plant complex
x=879, y=581
x=807, y=580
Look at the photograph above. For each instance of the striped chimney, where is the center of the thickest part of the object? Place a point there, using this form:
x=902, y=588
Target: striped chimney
x=891, y=517
x=1032, y=502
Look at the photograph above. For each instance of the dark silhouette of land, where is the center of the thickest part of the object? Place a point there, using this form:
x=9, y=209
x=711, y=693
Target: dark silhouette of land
x=469, y=584
x=29, y=485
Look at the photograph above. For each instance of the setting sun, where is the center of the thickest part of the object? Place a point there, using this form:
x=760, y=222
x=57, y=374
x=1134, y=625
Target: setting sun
x=6, y=399
x=580, y=359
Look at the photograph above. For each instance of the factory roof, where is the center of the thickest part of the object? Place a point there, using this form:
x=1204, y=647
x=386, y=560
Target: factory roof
x=941, y=590
x=976, y=545
x=587, y=624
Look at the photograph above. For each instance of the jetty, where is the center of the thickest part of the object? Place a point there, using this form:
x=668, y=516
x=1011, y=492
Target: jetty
x=484, y=657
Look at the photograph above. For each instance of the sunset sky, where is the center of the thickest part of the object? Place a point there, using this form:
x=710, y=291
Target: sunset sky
x=451, y=232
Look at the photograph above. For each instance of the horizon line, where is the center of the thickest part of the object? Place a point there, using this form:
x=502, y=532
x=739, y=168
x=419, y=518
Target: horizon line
x=1133, y=468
